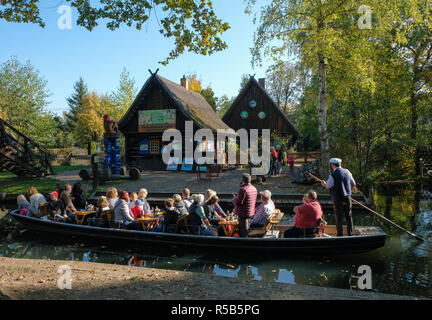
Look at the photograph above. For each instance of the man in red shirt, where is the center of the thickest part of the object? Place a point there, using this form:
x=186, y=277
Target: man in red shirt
x=307, y=217
x=244, y=204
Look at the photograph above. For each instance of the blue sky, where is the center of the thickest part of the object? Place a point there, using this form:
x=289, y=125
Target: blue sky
x=62, y=56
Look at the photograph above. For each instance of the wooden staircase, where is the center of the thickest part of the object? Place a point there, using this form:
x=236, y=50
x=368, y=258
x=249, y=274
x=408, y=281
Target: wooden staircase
x=21, y=155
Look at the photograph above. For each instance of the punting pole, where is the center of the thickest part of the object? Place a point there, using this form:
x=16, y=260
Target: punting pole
x=379, y=215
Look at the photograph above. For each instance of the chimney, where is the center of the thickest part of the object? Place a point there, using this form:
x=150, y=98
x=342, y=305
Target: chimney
x=184, y=82
x=261, y=81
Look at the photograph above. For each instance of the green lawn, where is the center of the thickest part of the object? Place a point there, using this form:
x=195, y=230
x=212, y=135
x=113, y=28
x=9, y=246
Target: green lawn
x=60, y=169
x=16, y=186
x=11, y=184
x=6, y=175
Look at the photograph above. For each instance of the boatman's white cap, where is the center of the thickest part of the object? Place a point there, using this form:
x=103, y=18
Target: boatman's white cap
x=335, y=160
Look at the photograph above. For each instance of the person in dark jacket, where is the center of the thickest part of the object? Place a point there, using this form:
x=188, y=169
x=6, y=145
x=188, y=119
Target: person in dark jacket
x=244, y=204
x=78, y=196
x=55, y=206
x=340, y=183
x=171, y=215
x=198, y=222
x=279, y=160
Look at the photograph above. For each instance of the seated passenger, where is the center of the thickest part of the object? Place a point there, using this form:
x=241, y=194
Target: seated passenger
x=179, y=204
x=102, y=205
x=55, y=206
x=23, y=204
x=210, y=211
x=59, y=188
x=142, y=202
x=112, y=196
x=66, y=198
x=171, y=215
x=210, y=193
x=133, y=200
x=307, y=217
x=78, y=197
x=122, y=213
x=263, y=211
x=198, y=222
x=187, y=198
x=35, y=200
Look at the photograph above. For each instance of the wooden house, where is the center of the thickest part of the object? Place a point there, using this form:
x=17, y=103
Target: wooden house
x=162, y=104
x=255, y=109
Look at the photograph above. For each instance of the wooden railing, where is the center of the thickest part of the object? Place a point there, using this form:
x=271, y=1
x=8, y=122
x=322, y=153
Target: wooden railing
x=27, y=150
x=306, y=156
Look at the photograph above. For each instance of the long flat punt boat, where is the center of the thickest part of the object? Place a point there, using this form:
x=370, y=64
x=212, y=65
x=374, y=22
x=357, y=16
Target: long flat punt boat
x=365, y=239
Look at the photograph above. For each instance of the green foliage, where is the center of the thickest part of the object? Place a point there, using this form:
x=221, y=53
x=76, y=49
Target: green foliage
x=23, y=101
x=75, y=102
x=223, y=103
x=243, y=81
x=282, y=83
x=208, y=94
x=90, y=118
x=195, y=84
x=124, y=96
x=372, y=87
x=305, y=117
x=281, y=140
x=192, y=24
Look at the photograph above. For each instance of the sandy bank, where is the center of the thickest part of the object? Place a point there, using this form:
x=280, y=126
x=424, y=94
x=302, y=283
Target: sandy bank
x=38, y=279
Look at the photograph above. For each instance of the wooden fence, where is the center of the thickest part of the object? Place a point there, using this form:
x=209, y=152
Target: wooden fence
x=306, y=156
x=75, y=156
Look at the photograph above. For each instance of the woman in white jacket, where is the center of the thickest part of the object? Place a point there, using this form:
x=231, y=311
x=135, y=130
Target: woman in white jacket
x=35, y=200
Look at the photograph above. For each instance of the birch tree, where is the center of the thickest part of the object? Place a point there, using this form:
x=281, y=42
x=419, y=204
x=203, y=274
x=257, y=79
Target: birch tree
x=310, y=30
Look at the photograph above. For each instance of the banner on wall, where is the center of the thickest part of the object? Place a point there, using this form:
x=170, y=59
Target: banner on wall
x=187, y=164
x=173, y=164
x=144, y=147
x=156, y=120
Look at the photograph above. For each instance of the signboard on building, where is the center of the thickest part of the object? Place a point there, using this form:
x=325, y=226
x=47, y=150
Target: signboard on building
x=156, y=120
x=144, y=147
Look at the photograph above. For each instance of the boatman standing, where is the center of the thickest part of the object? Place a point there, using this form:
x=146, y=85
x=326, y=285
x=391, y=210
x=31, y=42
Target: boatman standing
x=340, y=183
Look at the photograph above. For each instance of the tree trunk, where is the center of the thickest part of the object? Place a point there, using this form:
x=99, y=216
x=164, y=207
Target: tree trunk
x=322, y=116
x=414, y=119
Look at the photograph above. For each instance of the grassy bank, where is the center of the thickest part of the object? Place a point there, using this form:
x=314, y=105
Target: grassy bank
x=17, y=186
x=11, y=184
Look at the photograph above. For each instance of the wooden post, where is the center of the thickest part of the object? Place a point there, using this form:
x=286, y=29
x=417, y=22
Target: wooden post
x=95, y=162
x=421, y=170
x=371, y=198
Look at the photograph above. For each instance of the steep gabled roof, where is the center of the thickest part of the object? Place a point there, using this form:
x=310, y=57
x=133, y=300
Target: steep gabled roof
x=237, y=100
x=192, y=104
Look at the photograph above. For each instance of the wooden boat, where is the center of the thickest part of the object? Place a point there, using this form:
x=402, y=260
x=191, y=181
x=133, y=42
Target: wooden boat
x=365, y=239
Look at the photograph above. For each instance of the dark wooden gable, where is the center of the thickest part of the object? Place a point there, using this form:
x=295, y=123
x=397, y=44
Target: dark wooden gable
x=274, y=118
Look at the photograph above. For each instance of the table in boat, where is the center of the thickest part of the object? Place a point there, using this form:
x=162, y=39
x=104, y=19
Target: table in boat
x=80, y=216
x=148, y=223
x=229, y=227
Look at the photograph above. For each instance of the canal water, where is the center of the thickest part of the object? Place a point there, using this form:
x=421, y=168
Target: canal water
x=403, y=266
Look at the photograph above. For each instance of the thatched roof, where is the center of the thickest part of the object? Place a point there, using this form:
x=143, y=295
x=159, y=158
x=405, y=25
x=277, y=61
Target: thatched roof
x=192, y=104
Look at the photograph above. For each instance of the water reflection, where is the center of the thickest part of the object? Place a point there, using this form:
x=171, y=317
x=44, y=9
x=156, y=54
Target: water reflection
x=402, y=266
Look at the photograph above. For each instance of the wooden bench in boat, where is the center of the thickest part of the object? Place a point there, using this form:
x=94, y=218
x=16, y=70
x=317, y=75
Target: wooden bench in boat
x=331, y=230
x=268, y=229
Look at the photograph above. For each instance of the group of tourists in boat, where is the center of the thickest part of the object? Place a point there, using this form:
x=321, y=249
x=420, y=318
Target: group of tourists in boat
x=202, y=212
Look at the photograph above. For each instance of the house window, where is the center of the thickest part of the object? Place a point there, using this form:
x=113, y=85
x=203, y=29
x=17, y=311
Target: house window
x=154, y=147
